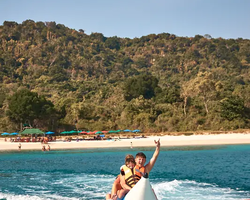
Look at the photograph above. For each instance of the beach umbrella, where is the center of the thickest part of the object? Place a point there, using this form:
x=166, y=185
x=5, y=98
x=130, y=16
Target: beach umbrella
x=105, y=131
x=90, y=133
x=5, y=133
x=112, y=131
x=127, y=130
x=49, y=133
x=73, y=131
x=98, y=132
x=66, y=132
x=14, y=134
x=83, y=132
x=136, y=131
x=102, y=135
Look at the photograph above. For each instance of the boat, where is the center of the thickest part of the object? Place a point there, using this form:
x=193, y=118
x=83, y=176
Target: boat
x=141, y=191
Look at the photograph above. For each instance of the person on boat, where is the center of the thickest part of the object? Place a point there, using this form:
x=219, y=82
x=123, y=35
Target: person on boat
x=130, y=178
x=117, y=188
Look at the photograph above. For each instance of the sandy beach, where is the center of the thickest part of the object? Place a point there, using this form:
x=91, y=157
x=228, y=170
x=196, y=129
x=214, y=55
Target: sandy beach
x=166, y=140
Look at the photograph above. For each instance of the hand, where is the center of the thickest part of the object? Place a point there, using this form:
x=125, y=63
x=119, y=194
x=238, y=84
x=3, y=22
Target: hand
x=158, y=144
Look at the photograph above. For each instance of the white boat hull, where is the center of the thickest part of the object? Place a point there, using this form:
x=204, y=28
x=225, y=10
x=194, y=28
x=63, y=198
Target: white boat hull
x=141, y=191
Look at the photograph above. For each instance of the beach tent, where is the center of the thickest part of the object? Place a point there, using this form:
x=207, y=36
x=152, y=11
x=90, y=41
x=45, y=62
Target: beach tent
x=5, y=133
x=30, y=131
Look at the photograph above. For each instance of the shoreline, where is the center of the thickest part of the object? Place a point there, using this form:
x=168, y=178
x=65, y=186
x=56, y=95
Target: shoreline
x=166, y=141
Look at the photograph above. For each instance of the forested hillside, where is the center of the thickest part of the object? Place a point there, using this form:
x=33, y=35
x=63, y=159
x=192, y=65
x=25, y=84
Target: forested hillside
x=56, y=78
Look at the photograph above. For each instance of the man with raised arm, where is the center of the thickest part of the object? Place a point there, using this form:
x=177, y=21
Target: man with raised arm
x=129, y=179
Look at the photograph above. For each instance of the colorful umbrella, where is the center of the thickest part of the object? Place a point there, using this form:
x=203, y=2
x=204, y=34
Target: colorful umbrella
x=112, y=131
x=127, y=130
x=105, y=131
x=49, y=132
x=66, y=132
x=83, y=132
x=73, y=131
x=136, y=131
x=5, y=133
x=90, y=133
x=14, y=134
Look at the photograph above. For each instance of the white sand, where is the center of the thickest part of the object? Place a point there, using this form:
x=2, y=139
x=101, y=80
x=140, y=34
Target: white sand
x=216, y=139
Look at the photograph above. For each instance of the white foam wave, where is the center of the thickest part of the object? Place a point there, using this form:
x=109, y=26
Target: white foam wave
x=192, y=190
x=4, y=196
x=95, y=186
x=89, y=185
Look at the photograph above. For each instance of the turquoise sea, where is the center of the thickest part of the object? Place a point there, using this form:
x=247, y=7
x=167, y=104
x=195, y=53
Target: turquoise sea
x=190, y=173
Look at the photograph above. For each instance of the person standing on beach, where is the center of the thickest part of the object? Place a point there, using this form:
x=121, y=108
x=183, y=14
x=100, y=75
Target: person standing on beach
x=139, y=170
x=19, y=147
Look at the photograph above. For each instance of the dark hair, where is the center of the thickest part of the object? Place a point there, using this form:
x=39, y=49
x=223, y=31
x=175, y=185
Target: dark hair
x=140, y=154
x=132, y=160
x=129, y=158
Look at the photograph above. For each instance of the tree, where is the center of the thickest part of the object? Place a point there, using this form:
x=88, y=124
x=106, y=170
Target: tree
x=145, y=85
x=25, y=105
x=169, y=95
x=205, y=87
x=207, y=36
x=202, y=86
x=232, y=108
x=113, y=43
x=186, y=92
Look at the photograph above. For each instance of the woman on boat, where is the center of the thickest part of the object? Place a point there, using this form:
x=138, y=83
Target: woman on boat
x=117, y=188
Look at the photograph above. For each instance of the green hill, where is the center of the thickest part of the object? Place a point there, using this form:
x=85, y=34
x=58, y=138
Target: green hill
x=154, y=83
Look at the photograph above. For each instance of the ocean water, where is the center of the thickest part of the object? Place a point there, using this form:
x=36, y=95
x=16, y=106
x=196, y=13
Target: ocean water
x=190, y=173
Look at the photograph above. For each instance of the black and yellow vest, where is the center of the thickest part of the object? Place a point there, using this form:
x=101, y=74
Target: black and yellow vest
x=132, y=176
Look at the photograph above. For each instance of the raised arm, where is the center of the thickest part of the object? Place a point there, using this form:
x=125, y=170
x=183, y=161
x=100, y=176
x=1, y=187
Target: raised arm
x=152, y=161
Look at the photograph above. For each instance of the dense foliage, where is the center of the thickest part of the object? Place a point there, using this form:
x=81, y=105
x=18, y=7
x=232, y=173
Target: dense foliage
x=154, y=83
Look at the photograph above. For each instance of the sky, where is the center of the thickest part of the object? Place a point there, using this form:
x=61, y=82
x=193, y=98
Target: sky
x=136, y=18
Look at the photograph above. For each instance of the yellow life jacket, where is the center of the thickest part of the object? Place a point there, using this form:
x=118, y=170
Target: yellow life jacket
x=132, y=176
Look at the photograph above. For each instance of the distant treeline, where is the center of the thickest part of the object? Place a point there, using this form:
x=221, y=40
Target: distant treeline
x=56, y=78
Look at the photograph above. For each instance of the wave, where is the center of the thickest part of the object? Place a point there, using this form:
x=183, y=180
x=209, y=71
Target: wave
x=95, y=186
x=192, y=190
x=4, y=196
